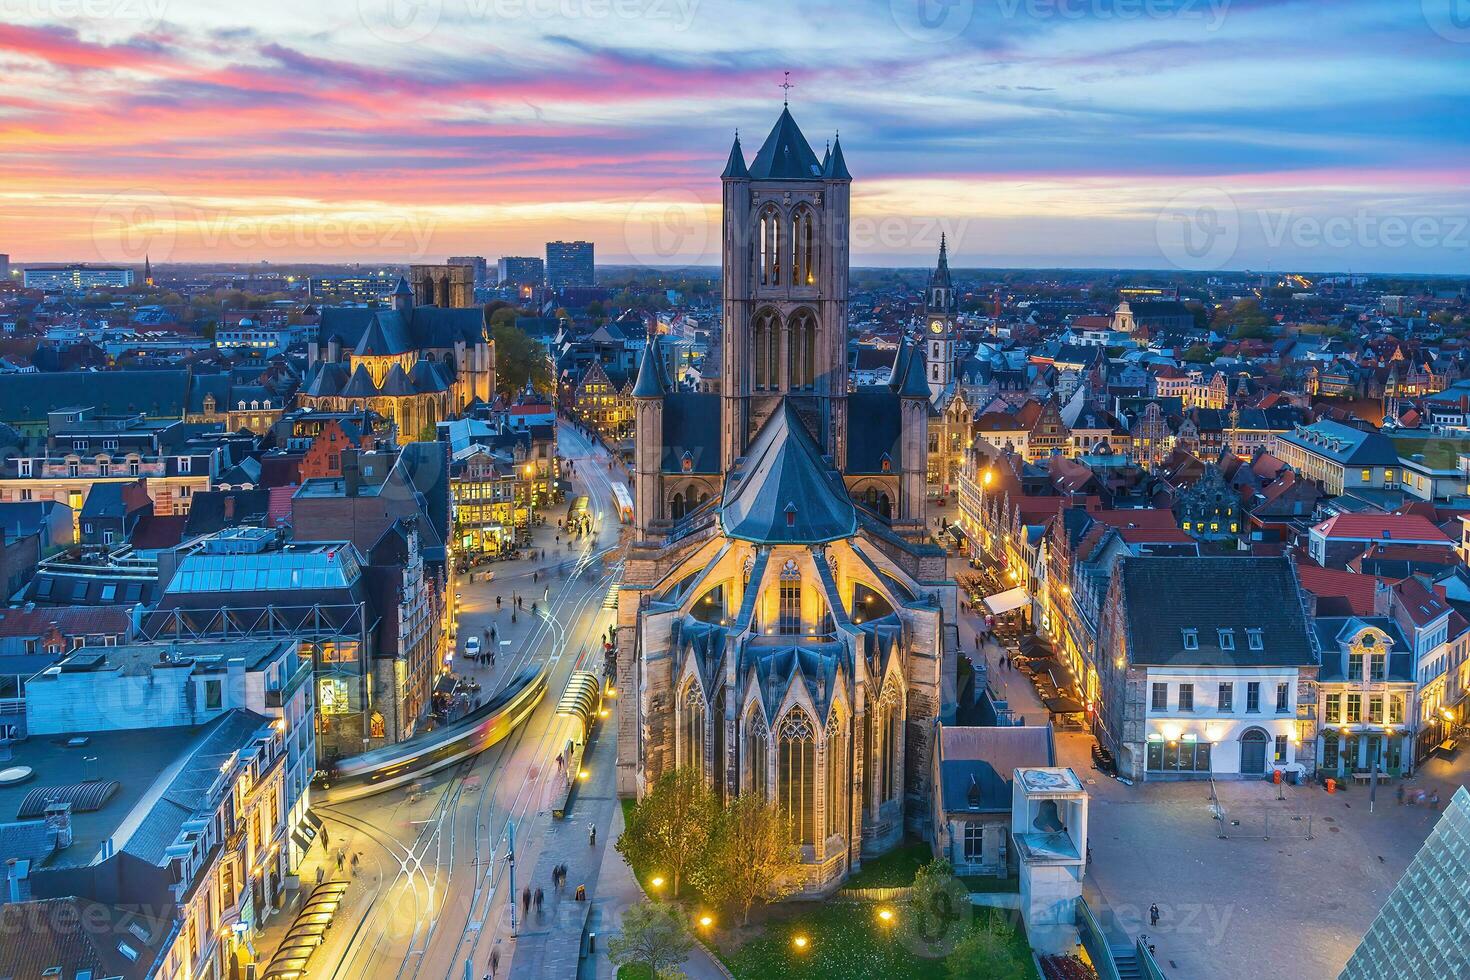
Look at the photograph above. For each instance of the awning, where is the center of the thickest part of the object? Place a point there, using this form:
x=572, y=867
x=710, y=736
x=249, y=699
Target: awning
x=1063, y=705
x=1004, y=602
x=582, y=698
x=956, y=532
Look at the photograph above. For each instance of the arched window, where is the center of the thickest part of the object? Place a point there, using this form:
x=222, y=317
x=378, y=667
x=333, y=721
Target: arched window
x=770, y=242
x=676, y=506
x=767, y=351
x=803, y=247
x=788, y=620
x=837, y=769
x=802, y=356
x=892, y=746
x=796, y=775
x=757, y=754
x=691, y=747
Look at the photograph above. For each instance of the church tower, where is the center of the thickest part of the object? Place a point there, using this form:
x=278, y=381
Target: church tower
x=938, y=329
x=784, y=273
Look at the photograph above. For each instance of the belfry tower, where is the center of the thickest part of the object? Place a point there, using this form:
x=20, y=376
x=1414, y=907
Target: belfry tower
x=784, y=265
x=938, y=327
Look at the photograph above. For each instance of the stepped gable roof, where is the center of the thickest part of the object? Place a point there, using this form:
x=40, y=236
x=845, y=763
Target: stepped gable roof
x=384, y=336
x=786, y=155
x=691, y=424
x=650, y=383
x=361, y=385
x=784, y=491
x=396, y=383
x=427, y=376
x=735, y=168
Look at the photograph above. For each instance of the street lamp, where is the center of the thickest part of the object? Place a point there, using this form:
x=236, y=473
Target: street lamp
x=800, y=942
x=885, y=916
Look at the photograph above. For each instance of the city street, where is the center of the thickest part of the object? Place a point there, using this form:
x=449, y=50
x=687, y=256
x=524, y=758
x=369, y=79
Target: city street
x=432, y=888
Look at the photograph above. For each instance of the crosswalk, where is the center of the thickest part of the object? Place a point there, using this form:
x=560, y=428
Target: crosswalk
x=610, y=601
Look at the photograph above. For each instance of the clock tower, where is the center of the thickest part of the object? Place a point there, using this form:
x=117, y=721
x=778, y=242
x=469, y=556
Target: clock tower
x=938, y=327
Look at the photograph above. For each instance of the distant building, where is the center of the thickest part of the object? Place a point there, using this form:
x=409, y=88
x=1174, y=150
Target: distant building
x=77, y=277
x=521, y=270
x=447, y=286
x=1339, y=456
x=475, y=262
x=4, y=265
x=569, y=264
x=353, y=289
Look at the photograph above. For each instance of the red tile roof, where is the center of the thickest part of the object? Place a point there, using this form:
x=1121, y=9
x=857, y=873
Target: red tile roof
x=71, y=620
x=1382, y=527
x=1329, y=582
x=279, y=510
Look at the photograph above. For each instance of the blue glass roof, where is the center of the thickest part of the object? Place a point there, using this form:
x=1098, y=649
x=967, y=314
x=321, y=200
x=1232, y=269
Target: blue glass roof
x=273, y=571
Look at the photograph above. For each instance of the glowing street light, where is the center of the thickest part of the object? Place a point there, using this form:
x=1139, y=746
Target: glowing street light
x=657, y=881
x=705, y=921
x=885, y=916
x=800, y=942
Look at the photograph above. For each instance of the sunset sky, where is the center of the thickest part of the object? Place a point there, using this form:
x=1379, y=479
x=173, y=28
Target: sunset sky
x=1309, y=135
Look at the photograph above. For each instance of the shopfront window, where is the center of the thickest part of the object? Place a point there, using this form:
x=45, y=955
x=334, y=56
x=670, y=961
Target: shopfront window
x=1178, y=755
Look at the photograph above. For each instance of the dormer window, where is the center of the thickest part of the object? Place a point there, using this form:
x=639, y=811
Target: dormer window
x=1227, y=639
x=1254, y=639
x=1191, y=639
x=687, y=463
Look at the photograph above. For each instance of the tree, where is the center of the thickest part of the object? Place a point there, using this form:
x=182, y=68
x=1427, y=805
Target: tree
x=655, y=935
x=518, y=358
x=669, y=830
x=1197, y=354
x=752, y=856
x=938, y=908
x=985, y=950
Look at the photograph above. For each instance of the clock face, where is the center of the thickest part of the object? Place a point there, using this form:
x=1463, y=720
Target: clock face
x=936, y=326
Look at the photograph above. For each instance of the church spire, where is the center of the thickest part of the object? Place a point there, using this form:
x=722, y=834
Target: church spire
x=735, y=165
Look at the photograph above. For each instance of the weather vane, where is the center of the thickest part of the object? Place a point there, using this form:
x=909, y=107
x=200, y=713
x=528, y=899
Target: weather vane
x=786, y=88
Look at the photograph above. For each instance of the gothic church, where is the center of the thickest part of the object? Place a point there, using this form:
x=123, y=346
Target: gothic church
x=786, y=623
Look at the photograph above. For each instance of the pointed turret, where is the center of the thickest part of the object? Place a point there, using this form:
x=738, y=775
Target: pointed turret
x=402, y=296
x=650, y=381
x=735, y=166
x=836, y=166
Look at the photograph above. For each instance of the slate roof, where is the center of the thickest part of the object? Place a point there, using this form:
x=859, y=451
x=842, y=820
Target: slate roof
x=650, y=383
x=54, y=941
x=879, y=433
x=1333, y=631
x=735, y=166
x=1165, y=596
x=1344, y=444
x=786, y=155
x=692, y=425
x=326, y=379
x=361, y=385
x=26, y=398
x=784, y=491
x=977, y=765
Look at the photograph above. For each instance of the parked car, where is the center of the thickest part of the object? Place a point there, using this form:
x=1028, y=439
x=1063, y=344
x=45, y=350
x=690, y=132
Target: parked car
x=472, y=647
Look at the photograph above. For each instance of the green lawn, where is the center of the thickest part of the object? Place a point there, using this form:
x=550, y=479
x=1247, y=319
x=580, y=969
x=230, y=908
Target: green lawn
x=844, y=940
x=896, y=869
x=634, y=971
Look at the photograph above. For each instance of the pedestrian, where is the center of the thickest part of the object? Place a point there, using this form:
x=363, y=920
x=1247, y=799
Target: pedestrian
x=321, y=873
x=494, y=960
x=325, y=849
x=526, y=900
x=539, y=898
x=592, y=835
x=341, y=856
x=581, y=893
x=1153, y=914
x=1434, y=800
x=497, y=602
x=977, y=641
x=1400, y=794
x=355, y=859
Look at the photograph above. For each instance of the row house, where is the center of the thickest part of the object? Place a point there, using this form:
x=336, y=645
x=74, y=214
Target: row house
x=1208, y=669
x=84, y=449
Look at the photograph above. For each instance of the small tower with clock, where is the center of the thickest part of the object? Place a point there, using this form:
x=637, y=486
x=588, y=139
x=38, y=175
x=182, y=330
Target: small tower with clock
x=940, y=307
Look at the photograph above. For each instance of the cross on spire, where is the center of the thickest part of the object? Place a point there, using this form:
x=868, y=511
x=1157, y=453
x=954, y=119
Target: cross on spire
x=786, y=88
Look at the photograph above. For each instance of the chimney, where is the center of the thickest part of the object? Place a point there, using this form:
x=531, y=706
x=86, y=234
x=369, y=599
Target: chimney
x=17, y=871
x=351, y=476
x=1382, y=598
x=229, y=507
x=58, y=823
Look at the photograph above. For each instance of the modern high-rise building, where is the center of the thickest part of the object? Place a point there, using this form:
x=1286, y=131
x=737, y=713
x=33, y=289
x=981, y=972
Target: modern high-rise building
x=568, y=264
x=521, y=270
x=4, y=266
x=77, y=276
